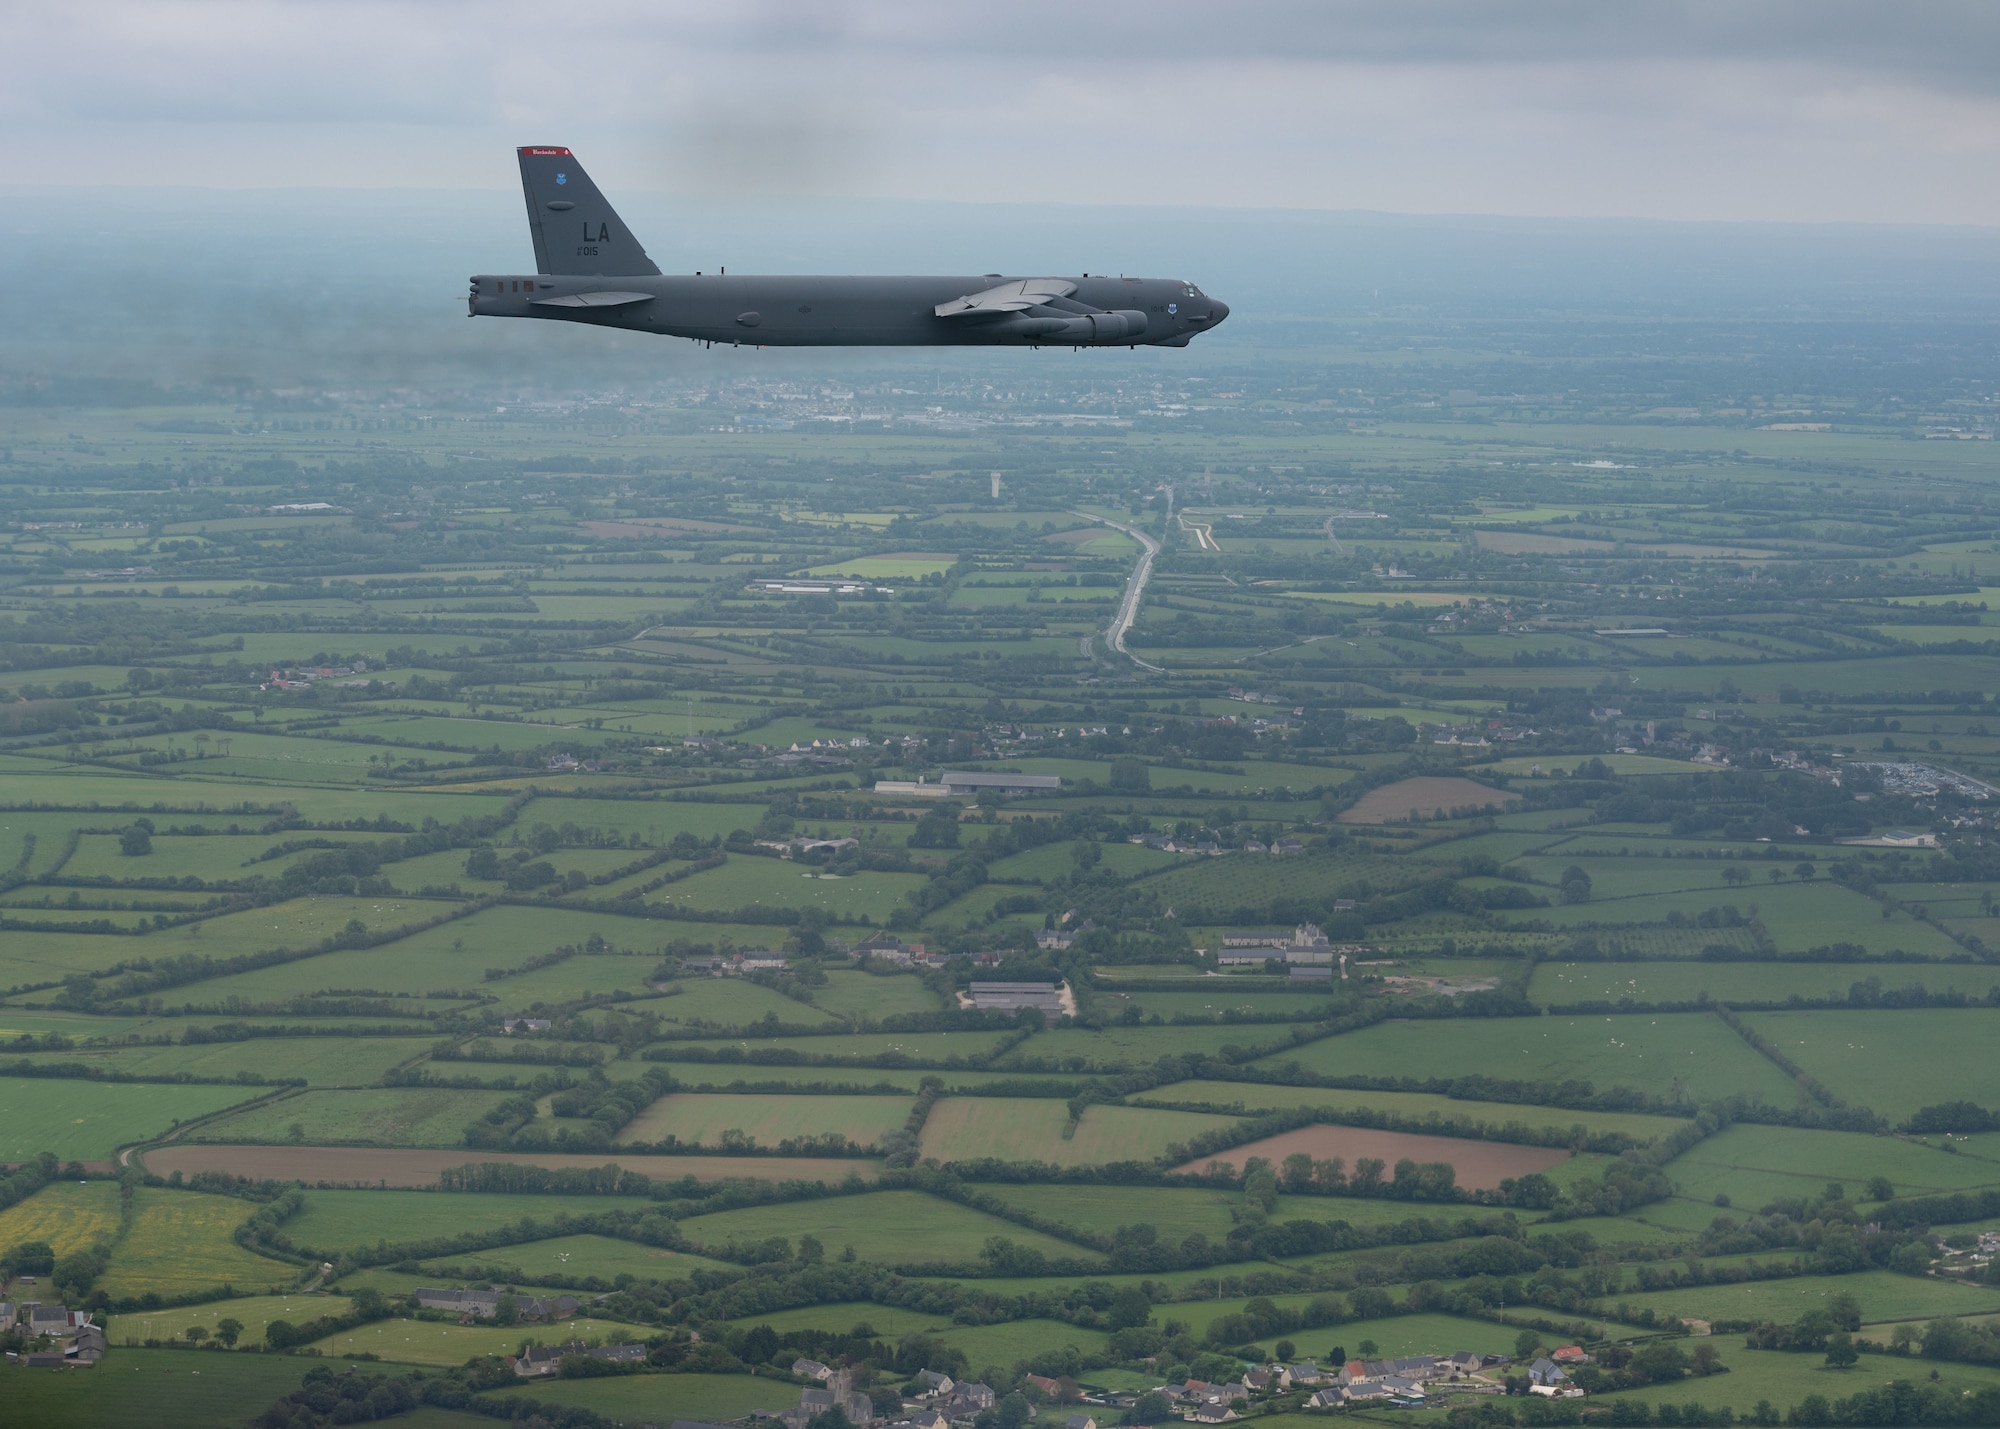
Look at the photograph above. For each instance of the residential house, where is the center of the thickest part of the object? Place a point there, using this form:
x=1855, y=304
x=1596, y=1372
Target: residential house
x=539, y=1360
x=1305, y=1372
x=56, y=1320
x=1570, y=1355
x=927, y=1419
x=1465, y=1362
x=8, y=1312
x=1080, y=1421
x=935, y=1385
x=1546, y=1377
x=811, y=1369
x=967, y=1401
x=1262, y=1379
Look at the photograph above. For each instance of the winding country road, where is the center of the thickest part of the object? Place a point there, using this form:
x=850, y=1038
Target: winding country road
x=1135, y=588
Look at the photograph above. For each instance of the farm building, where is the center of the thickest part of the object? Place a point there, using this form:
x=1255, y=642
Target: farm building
x=958, y=781
x=1011, y=996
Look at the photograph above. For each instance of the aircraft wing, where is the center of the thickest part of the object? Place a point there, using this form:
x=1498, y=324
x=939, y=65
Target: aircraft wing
x=593, y=300
x=1015, y=297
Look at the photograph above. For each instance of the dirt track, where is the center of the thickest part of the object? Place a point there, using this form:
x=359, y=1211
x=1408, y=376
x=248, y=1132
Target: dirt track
x=1481, y=1165
x=375, y=1166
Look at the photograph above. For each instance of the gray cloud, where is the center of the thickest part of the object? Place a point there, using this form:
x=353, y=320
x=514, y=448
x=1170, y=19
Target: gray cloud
x=1816, y=109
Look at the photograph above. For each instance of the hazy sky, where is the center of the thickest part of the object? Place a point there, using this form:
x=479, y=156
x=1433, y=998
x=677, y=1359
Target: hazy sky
x=1873, y=110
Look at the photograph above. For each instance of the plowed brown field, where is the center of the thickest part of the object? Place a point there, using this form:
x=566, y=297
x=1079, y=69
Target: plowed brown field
x=1407, y=798
x=1481, y=1165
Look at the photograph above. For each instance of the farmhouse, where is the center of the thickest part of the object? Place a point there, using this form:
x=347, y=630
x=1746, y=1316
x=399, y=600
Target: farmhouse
x=540, y=1360
x=57, y=1320
x=1546, y=1378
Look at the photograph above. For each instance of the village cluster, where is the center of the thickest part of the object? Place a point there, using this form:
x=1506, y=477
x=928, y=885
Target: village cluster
x=935, y=1400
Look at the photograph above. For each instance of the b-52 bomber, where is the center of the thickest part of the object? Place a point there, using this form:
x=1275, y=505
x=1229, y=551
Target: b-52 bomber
x=590, y=269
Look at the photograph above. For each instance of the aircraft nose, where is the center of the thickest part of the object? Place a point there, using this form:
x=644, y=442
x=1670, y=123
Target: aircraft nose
x=1217, y=311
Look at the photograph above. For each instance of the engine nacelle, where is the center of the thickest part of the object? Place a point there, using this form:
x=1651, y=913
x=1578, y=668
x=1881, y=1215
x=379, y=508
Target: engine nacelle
x=1081, y=328
x=1104, y=327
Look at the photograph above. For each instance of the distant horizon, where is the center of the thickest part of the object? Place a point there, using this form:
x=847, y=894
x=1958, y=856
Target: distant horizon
x=725, y=198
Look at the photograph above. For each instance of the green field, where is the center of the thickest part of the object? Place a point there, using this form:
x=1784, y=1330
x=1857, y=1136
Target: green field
x=893, y=1226
x=450, y=956
x=1557, y=982
x=425, y=1342
x=530, y=1262
x=340, y=1220
x=69, y=1215
x=915, y=1049
x=869, y=995
x=1756, y=1164
x=179, y=1243
x=1800, y=917
x=662, y=1398
x=725, y=1002
x=1883, y=1296
x=254, y=1312
x=767, y=1120
x=319, y=1061
x=994, y=1348
x=1253, y=1097
x=1785, y=1379
x=1694, y=1054
x=778, y=883
x=1101, y=1210
x=1030, y=1129
x=143, y=1389
x=1893, y=1062
x=380, y=1116
x=1122, y=1048
x=88, y=1121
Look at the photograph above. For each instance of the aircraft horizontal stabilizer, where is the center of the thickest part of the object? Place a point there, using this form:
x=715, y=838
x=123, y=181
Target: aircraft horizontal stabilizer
x=594, y=300
x=1017, y=296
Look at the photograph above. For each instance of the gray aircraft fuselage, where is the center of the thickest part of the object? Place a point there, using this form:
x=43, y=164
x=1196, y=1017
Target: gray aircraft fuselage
x=592, y=269
x=829, y=311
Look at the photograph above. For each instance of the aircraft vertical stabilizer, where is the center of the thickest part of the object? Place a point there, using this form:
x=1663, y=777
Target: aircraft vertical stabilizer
x=575, y=229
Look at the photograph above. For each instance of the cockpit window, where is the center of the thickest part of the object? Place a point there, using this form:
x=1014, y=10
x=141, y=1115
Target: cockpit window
x=1190, y=291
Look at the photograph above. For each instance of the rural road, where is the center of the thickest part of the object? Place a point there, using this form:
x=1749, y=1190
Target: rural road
x=1135, y=588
